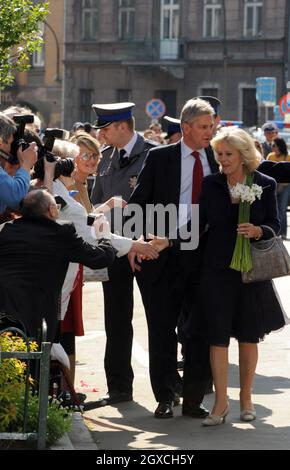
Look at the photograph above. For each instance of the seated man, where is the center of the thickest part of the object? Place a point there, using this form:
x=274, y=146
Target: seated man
x=35, y=252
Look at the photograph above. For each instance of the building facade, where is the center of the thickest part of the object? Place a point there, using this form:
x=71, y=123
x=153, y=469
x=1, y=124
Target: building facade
x=131, y=50
x=40, y=88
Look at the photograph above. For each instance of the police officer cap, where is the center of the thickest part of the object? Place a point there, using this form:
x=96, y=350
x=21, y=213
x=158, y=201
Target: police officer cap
x=213, y=101
x=173, y=126
x=112, y=112
x=269, y=127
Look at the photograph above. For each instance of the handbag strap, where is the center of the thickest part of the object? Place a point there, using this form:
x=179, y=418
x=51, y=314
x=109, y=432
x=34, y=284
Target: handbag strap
x=271, y=230
x=273, y=239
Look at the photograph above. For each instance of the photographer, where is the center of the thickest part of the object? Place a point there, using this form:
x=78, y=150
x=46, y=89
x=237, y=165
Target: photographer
x=13, y=187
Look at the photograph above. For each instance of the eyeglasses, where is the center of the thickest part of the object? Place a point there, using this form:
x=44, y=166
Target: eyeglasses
x=86, y=156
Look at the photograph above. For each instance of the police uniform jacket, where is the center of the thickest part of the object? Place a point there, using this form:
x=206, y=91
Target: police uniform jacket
x=111, y=180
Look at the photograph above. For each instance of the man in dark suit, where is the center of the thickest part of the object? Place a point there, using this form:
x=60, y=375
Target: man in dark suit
x=35, y=252
x=117, y=174
x=172, y=175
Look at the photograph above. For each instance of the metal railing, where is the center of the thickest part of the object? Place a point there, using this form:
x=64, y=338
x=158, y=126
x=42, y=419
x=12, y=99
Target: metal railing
x=43, y=356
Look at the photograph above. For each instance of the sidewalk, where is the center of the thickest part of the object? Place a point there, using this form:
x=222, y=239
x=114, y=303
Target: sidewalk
x=131, y=425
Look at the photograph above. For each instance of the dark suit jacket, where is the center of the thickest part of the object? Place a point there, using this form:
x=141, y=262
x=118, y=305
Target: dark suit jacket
x=35, y=253
x=159, y=182
x=218, y=212
x=280, y=171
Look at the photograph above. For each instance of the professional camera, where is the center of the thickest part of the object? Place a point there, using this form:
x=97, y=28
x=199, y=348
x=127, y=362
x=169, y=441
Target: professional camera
x=23, y=137
x=18, y=137
x=63, y=167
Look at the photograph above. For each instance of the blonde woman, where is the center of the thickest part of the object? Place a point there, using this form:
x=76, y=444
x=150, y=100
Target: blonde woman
x=246, y=312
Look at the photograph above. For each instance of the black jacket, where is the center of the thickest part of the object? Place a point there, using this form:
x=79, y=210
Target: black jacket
x=159, y=183
x=216, y=212
x=35, y=253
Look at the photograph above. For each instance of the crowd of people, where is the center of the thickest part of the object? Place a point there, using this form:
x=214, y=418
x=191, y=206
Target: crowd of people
x=45, y=240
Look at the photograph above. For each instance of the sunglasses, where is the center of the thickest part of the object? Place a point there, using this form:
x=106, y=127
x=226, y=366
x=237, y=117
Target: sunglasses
x=86, y=156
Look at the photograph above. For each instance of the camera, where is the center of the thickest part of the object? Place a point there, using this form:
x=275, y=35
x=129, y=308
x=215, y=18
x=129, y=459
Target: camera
x=18, y=138
x=22, y=138
x=64, y=166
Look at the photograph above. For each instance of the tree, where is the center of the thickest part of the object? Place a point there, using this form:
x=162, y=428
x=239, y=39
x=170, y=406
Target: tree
x=20, y=35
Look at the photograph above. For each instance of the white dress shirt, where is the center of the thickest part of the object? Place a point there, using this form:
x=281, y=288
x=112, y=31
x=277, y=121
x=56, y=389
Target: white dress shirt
x=187, y=165
x=129, y=146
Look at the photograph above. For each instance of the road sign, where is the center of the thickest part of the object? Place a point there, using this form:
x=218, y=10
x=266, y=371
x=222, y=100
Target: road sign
x=266, y=90
x=284, y=104
x=155, y=108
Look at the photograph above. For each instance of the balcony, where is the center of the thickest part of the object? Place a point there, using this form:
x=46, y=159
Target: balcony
x=141, y=51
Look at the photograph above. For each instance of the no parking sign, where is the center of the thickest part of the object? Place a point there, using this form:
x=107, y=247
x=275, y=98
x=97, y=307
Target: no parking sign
x=155, y=108
x=284, y=104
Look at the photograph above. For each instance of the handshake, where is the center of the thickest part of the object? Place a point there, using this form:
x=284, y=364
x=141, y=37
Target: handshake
x=139, y=248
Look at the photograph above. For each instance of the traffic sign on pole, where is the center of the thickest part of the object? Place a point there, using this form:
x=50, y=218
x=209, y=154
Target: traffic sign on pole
x=155, y=108
x=284, y=104
x=266, y=91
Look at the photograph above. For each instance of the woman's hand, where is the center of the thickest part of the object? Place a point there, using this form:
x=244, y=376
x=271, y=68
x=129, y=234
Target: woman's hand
x=111, y=203
x=250, y=230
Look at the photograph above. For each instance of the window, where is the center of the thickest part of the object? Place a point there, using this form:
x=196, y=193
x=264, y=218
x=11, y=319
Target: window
x=212, y=19
x=85, y=105
x=253, y=18
x=123, y=95
x=38, y=55
x=126, y=18
x=90, y=20
x=170, y=19
x=249, y=109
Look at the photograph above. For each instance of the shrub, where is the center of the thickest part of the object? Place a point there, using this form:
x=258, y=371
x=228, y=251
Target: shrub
x=12, y=392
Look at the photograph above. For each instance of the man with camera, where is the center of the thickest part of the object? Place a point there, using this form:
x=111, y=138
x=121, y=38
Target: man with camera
x=13, y=186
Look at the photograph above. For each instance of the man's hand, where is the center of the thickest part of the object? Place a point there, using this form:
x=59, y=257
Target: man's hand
x=28, y=157
x=160, y=243
x=131, y=257
x=143, y=251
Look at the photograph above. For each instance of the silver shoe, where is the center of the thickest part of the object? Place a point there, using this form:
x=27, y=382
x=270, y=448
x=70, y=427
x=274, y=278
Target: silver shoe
x=214, y=420
x=248, y=415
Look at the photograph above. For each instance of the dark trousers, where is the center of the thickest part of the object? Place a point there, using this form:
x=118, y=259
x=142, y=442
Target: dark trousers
x=118, y=300
x=163, y=301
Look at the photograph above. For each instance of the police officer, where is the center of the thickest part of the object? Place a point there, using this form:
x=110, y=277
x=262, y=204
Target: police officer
x=117, y=175
x=173, y=130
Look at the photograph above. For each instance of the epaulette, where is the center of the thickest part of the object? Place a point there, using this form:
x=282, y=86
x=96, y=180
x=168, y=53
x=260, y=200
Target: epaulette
x=107, y=148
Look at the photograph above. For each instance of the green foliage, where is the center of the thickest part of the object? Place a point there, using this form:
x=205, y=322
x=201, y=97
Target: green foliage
x=59, y=419
x=19, y=35
x=12, y=391
x=12, y=376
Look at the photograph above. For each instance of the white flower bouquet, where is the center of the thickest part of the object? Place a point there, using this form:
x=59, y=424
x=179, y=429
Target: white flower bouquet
x=246, y=193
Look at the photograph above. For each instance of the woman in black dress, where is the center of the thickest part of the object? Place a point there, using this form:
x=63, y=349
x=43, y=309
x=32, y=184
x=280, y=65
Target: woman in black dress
x=244, y=311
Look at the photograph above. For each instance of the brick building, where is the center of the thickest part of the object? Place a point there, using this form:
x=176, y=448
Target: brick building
x=119, y=50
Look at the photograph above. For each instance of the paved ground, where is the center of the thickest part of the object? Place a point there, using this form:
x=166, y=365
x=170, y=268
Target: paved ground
x=132, y=426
